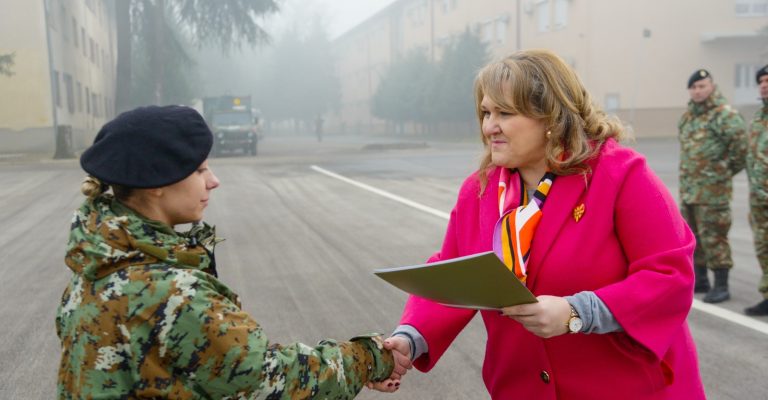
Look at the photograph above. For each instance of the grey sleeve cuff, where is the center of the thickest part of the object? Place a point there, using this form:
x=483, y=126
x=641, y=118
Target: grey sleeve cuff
x=595, y=315
x=418, y=344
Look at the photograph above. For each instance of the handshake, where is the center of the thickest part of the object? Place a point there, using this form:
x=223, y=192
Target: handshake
x=401, y=352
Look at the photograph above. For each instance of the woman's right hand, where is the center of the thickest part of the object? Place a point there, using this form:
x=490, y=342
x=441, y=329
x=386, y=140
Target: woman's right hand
x=401, y=352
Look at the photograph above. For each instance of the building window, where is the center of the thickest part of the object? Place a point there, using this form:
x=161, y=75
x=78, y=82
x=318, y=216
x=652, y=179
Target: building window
x=87, y=100
x=93, y=44
x=612, y=103
x=50, y=17
x=74, y=31
x=501, y=30
x=79, y=97
x=417, y=14
x=561, y=13
x=488, y=32
x=70, y=93
x=751, y=8
x=542, y=12
x=448, y=5
x=95, y=104
x=63, y=17
x=56, y=91
x=84, y=42
x=744, y=76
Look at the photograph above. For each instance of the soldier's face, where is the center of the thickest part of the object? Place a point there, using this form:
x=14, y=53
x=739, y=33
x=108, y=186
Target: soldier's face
x=763, y=85
x=184, y=201
x=515, y=141
x=701, y=89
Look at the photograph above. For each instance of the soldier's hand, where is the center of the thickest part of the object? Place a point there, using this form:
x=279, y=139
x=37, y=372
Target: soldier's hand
x=401, y=351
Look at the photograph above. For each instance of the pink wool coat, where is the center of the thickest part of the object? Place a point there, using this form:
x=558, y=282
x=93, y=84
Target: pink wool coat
x=631, y=247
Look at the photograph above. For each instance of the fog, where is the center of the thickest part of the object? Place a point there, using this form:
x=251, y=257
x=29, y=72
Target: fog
x=376, y=67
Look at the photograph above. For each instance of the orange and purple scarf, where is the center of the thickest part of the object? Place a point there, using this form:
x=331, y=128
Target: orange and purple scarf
x=516, y=226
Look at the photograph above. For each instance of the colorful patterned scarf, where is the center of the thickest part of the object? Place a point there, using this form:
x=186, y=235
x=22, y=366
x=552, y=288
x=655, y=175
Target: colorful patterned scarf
x=516, y=226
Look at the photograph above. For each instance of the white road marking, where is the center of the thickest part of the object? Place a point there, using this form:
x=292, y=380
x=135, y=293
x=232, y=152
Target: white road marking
x=383, y=193
x=710, y=309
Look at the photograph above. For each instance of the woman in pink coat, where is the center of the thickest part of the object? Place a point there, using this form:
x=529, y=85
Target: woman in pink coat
x=592, y=232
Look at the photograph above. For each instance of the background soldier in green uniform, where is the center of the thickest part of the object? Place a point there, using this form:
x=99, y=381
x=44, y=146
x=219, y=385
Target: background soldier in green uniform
x=712, y=150
x=144, y=315
x=757, y=170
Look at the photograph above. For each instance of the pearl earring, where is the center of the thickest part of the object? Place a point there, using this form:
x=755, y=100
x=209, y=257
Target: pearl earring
x=549, y=134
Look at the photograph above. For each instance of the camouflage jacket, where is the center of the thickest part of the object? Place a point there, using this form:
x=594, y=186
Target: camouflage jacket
x=757, y=157
x=713, y=147
x=143, y=316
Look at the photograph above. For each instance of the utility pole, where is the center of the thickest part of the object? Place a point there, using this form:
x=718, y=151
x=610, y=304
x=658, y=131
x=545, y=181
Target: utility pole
x=54, y=89
x=518, y=40
x=432, y=30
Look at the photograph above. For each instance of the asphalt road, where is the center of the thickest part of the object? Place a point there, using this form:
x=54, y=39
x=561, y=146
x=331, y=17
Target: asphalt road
x=300, y=247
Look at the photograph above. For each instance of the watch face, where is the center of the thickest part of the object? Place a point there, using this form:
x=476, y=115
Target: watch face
x=575, y=324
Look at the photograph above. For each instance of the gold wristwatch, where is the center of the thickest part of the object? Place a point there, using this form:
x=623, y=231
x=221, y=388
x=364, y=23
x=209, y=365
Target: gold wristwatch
x=574, y=323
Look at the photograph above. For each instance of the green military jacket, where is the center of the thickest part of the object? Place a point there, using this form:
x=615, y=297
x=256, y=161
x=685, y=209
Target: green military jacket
x=713, y=147
x=757, y=157
x=145, y=317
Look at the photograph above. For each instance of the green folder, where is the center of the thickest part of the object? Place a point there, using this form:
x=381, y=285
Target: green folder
x=478, y=281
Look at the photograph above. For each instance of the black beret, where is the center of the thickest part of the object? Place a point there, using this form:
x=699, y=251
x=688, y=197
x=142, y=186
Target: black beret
x=697, y=76
x=149, y=147
x=761, y=72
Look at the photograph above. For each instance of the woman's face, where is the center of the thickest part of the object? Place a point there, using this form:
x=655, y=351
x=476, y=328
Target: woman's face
x=516, y=141
x=184, y=201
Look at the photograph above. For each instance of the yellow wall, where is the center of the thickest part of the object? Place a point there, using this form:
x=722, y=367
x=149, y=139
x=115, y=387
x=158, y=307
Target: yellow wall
x=26, y=106
x=25, y=100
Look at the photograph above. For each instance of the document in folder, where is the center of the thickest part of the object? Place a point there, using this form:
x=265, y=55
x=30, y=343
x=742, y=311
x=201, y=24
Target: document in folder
x=479, y=281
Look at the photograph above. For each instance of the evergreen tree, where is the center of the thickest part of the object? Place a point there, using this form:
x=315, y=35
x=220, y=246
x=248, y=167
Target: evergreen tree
x=299, y=80
x=225, y=22
x=403, y=93
x=452, y=93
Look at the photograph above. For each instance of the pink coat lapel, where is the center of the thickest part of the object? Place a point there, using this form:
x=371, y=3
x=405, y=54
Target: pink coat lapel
x=566, y=192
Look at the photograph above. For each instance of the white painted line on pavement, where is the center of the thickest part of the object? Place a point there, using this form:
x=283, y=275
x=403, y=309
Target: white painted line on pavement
x=383, y=193
x=710, y=309
x=731, y=316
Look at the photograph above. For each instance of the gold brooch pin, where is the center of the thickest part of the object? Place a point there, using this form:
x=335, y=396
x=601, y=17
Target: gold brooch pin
x=578, y=212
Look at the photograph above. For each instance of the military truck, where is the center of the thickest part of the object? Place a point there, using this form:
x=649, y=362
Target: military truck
x=233, y=124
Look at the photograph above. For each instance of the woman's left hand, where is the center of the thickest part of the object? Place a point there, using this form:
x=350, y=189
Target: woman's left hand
x=547, y=318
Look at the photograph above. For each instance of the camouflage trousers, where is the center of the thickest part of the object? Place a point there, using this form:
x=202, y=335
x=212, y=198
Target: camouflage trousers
x=710, y=224
x=758, y=219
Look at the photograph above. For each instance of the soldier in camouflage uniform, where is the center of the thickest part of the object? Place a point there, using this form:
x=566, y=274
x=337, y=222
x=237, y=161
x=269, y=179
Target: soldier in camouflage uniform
x=757, y=170
x=144, y=315
x=712, y=150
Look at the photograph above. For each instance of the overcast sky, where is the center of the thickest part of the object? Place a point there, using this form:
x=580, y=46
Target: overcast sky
x=340, y=14
x=345, y=14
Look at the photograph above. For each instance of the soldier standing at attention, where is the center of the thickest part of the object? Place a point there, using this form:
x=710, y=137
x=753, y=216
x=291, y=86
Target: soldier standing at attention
x=712, y=150
x=757, y=170
x=145, y=316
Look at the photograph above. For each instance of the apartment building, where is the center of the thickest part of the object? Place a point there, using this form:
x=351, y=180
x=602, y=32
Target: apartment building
x=634, y=57
x=64, y=71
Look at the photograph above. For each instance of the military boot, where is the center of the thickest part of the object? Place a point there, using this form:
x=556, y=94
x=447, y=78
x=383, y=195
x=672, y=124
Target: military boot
x=759, y=309
x=720, y=292
x=702, y=282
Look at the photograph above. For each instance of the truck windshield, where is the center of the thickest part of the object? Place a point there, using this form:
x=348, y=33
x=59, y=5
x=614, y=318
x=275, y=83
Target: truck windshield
x=232, y=118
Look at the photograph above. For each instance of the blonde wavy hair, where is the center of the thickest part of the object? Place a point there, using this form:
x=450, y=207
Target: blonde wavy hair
x=540, y=85
x=92, y=188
